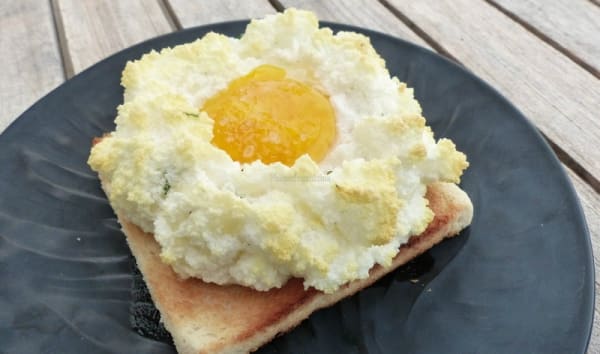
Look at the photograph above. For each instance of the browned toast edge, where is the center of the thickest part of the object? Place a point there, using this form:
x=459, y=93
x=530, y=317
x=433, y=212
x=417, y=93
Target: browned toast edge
x=186, y=305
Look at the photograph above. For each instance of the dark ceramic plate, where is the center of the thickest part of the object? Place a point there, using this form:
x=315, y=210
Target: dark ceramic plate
x=519, y=280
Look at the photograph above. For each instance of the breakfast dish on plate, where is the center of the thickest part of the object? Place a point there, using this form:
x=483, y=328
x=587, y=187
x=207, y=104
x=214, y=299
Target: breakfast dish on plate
x=262, y=178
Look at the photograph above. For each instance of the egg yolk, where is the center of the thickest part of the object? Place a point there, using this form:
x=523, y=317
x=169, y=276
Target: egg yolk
x=266, y=116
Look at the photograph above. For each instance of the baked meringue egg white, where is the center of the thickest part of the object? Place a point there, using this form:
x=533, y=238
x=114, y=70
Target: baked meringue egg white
x=289, y=152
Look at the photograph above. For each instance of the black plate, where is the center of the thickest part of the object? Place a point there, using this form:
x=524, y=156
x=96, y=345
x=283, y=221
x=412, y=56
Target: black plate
x=519, y=280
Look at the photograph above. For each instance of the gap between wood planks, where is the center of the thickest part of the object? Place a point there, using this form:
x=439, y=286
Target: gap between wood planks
x=566, y=52
x=419, y=31
x=579, y=170
x=165, y=5
x=277, y=5
x=61, y=38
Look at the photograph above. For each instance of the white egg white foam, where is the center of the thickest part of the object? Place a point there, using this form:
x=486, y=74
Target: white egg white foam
x=259, y=225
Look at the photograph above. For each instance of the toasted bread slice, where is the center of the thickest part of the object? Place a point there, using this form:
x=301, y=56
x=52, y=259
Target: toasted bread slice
x=210, y=318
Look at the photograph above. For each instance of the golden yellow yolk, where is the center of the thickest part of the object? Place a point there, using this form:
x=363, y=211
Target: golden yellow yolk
x=266, y=116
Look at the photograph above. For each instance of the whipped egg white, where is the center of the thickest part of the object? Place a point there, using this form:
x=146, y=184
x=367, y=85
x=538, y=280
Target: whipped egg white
x=258, y=224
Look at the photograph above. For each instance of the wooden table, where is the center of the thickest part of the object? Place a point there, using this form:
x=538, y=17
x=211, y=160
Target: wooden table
x=543, y=55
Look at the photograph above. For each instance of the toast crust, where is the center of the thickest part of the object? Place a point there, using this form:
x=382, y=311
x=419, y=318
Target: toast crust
x=210, y=318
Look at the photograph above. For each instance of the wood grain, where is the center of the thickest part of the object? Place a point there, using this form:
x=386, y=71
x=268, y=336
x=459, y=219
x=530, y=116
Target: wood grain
x=364, y=13
x=29, y=57
x=94, y=29
x=201, y=12
x=573, y=26
x=590, y=201
x=558, y=95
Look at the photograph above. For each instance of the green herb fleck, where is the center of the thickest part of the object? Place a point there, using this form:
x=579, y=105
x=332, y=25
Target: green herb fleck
x=195, y=115
x=166, y=186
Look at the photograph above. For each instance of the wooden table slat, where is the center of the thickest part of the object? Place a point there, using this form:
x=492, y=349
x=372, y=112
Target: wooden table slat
x=364, y=13
x=29, y=57
x=559, y=96
x=194, y=13
x=92, y=30
x=574, y=25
